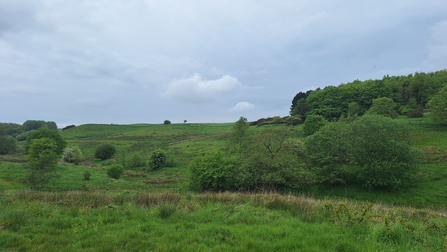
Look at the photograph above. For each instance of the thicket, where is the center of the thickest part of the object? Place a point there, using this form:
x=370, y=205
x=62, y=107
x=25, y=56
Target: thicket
x=373, y=151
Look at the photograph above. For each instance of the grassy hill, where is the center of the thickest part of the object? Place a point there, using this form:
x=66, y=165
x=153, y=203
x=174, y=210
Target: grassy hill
x=154, y=211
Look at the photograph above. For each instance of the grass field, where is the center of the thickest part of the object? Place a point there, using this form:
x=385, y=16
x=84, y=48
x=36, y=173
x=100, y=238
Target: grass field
x=154, y=211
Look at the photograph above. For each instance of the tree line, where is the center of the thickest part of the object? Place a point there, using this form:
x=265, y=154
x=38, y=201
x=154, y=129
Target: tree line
x=410, y=94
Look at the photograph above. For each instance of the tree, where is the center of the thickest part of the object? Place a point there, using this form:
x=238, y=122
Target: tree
x=312, y=124
x=105, y=151
x=239, y=135
x=329, y=153
x=42, y=159
x=438, y=106
x=46, y=133
x=383, y=151
x=166, y=122
x=383, y=106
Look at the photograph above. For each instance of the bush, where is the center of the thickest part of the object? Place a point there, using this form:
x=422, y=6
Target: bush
x=212, y=172
x=167, y=122
x=105, y=151
x=115, y=171
x=86, y=175
x=157, y=160
x=73, y=155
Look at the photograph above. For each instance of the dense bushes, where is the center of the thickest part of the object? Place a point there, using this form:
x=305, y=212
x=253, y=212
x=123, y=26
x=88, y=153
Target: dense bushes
x=105, y=151
x=373, y=150
x=213, y=172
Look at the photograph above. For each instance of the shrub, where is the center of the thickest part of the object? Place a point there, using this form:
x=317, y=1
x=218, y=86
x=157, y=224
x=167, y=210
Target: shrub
x=212, y=172
x=115, y=171
x=105, y=151
x=167, y=122
x=73, y=155
x=157, y=160
x=86, y=175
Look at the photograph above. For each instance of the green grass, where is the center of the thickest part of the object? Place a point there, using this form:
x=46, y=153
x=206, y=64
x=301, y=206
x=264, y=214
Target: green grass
x=95, y=221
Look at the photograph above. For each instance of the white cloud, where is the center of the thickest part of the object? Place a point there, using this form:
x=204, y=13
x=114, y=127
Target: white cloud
x=242, y=106
x=195, y=89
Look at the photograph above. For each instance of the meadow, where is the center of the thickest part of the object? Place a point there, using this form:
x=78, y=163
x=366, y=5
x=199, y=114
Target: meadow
x=154, y=210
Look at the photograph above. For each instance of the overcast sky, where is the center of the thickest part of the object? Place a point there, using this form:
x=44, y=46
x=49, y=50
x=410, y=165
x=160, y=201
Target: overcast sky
x=144, y=61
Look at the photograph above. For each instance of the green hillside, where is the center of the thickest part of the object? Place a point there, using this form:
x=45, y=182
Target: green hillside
x=155, y=211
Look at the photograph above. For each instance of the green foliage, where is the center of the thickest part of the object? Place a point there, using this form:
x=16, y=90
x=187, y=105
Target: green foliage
x=312, y=124
x=240, y=135
x=23, y=136
x=375, y=150
x=73, y=155
x=157, y=160
x=166, y=122
x=272, y=161
x=213, y=173
x=46, y=133
x=383, y=106
x=332, y=102
x=42, y=160
x=105, y=151
x=115, y=171
x=329, y=153
x=383, y=151
x=7, y=143
x=12, y=129
x=86, y=175
x=33, y=125
x=438, y=106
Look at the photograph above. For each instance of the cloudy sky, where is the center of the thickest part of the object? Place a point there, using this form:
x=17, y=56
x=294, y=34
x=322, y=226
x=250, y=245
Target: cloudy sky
x=144, y=61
